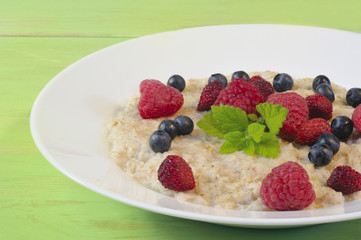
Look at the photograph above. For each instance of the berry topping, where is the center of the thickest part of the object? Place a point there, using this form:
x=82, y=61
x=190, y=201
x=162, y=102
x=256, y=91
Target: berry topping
x=160, y=141
x=209, y=96
x=319, y=106
x=174, y=173
x=356, y=118
x=342, y=127
x=219, y=78
x=353, y=97
x=320, y=154
x=297, y=114
x=331, y=140
x=177, y=82
x=311, y=130
x=319, y=80
x=240, y=94
x=282, y=82
x=326, y=90
x=263, y=86
x=184, y=125
x=240, y=74
x=169, y=127
x=287, y=187
x=158, y=100
x=345, y=179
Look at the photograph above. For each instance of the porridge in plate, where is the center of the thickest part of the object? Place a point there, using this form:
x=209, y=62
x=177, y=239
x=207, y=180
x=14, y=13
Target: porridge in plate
x=229, y=180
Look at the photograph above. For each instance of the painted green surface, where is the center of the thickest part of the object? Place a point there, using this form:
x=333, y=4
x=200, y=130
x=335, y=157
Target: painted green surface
x=39, y=38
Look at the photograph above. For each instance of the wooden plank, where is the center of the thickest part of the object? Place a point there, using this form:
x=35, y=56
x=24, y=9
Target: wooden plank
x=132, y=18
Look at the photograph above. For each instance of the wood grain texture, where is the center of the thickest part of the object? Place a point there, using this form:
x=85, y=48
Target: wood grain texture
x=133, y=18
x=39, y=38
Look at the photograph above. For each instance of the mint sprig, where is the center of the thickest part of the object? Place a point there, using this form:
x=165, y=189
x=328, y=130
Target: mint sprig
x=248, y=133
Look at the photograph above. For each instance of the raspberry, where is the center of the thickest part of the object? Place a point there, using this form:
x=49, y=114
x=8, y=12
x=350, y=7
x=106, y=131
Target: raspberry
x=311, y=130
x=287, y=187
x=319, y=106
x=174, y=173
x=297, y=114
x=356, y=118
x=158, y=100
x=344, y=179
x=241, y=94
x=263, y=86
x=209, y=96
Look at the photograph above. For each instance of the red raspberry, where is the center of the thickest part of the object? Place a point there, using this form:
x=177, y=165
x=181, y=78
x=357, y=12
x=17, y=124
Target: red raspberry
x=297, y=114
x=311, y=130
x=209, y=96
x=356, y=118
x=158, y=100
x=263, y=86
x=287, y=188
x=174, y=173
x=319, y=106
x=241, y=94
x=344, y=179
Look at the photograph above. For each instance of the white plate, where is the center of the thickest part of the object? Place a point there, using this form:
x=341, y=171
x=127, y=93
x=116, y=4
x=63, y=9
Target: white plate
x=69, y=117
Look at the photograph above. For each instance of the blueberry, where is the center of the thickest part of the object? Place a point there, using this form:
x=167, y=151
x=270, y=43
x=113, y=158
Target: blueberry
x=282, y=82
x=240, y=74
x=219, y=78
x=342, y=127
x=330, y=140
x=353, y=97
x=177, y=82
x=159, y=141
x=184, y=125
x=319, y=80
x=326, y=90
x=320, y=154
x=169, y=127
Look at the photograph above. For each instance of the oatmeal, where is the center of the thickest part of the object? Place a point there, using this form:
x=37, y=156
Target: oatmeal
x=231, y=181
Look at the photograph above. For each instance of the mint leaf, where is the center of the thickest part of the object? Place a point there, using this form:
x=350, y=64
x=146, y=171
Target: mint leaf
x=211, y=126
x=274, y=116
x=234, y=142
x=252, y=117
x=256, y=131
x=230, y=118
x=268, y=146
x=249, y=146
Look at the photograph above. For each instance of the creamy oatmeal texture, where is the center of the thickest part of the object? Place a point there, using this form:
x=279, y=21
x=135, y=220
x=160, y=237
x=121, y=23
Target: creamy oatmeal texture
x=229, y=181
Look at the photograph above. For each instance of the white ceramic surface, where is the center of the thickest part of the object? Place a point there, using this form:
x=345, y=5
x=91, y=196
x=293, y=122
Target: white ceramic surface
x=69, y=117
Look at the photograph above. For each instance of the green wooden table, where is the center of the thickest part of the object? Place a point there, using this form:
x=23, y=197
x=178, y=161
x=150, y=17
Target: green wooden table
x=39, y=38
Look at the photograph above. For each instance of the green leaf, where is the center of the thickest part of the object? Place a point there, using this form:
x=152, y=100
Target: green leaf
x=234, y=142
x=211, y=126
x=252, y=117
x=274, y=116
x=268, y=146
x=256, y=131
x=230, y=118
x=249, y=146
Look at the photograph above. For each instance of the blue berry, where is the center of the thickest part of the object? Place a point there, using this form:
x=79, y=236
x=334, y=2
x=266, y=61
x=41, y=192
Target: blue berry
x=319, y=80
x=177, y=82
x=282, y=82
x=353, y=97
x=320, y=154
x=330, y=140
x=240, y=74
x=169, y=127
x=159, y=141
x=219, y=78
x=184, y=125
x=342, y=127
x=326, y=90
